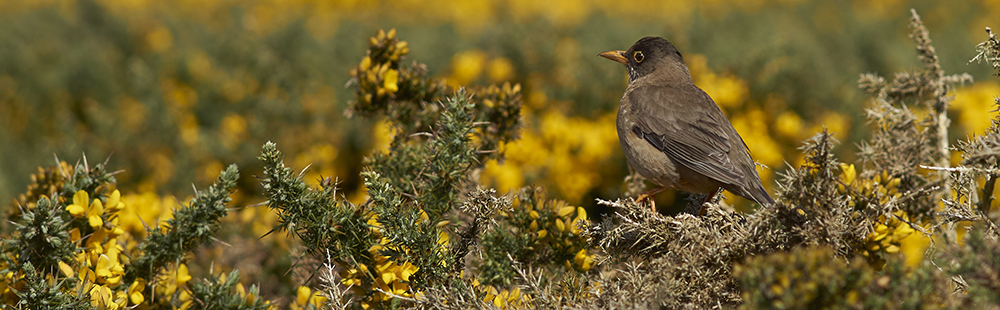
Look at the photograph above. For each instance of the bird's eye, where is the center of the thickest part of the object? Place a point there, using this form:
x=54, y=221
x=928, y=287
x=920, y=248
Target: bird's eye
x=638, y=56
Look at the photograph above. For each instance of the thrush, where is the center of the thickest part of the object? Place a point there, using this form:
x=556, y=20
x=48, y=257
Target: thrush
x=674, y=134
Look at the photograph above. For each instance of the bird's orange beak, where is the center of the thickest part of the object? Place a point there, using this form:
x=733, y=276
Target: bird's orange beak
x=618, y=56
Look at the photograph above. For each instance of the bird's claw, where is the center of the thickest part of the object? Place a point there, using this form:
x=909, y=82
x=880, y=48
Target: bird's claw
x=648, y=195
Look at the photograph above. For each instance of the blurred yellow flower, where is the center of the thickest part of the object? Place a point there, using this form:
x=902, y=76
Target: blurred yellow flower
x=752, y=126
x=505, y=176
x=189, y=129
x=199, y=65
x=582, y=261
x=788, y=124
x=159, y=39
x=567, y=152
x=366, y=63
x=913, y=247
x=562, y=13
x=131, y=112
x=469, y=15
x=382, y=134
x=972, y=103
x=390, y=80
x=175, y=279
x=879, y=8
x=304, y=297
x=728, y=91
x=233, y=128
x=835, y=123
x=234, y=90
x=466, y=67
x=144, y=209
x=500, y=70
x=321, y=160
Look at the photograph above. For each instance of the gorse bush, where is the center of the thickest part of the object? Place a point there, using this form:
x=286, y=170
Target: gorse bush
x=430, y=235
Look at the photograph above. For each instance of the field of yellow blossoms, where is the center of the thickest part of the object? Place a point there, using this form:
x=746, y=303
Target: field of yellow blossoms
x=171, y=92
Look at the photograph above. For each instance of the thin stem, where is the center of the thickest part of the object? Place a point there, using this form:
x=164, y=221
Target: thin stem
x=987, y=199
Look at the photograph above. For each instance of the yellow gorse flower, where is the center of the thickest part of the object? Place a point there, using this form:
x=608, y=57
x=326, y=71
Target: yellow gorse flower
x=390, y=80
x=94, y=214
x=175, y=279
x=305, y=297
x=81, y=200
x=94, y=210
x=390, y=278
x=66, y=270
x=101, y=297
x=582, y=261
x=135, y=291
x=887, y=236
x=503, y=299
x=115, y=202
x=105, y=266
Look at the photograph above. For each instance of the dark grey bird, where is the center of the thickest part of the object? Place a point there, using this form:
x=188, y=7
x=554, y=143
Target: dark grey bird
x=674, y=134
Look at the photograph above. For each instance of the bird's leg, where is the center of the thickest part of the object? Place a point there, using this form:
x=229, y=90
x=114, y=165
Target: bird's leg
x=648, y=195
x=711, y=196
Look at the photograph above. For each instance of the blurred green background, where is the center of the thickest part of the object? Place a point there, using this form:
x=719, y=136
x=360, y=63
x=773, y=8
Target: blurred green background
x=171, y=91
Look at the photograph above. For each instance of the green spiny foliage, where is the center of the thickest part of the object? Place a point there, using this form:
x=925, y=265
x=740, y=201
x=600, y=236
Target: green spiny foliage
x=346, y=229
x=41, y=293
x=220, y=293
x=328, y=226
x=535, y=232
x=88, y=179
x=433, y=172
x=192, y=225
x=802, y=280
x=431, y=128
x=975, y=267
x=398, y=237
x=441, y=138
x=408, y=237
x=64, y=275
x=40, y=238
x=402, y=92
x=815, y=278
x=315, y=216
x=483, y=205
x=45, y=182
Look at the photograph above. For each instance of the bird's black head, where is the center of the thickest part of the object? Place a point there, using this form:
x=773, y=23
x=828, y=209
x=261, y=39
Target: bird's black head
x=647, y=55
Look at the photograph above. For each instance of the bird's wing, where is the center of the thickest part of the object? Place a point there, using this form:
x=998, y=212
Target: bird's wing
x=692, y=131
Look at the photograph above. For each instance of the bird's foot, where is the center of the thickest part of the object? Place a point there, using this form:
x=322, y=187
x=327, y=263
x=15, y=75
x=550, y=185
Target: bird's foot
x=648, y=195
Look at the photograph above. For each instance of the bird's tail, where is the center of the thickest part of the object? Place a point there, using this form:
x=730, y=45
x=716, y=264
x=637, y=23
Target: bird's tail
x=754, y=190
x=759, y=194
